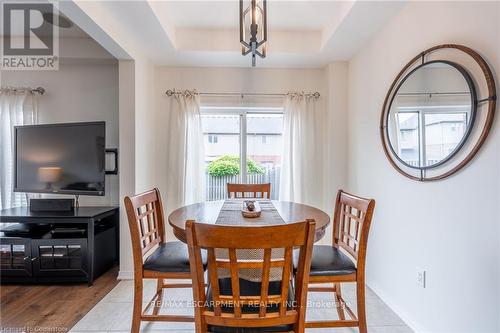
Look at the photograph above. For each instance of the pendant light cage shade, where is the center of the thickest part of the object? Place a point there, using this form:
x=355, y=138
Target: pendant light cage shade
x=253, y=28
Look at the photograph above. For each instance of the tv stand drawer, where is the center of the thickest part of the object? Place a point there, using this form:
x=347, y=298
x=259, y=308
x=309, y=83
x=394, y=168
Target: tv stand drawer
x=60, y=257
x=15, y=257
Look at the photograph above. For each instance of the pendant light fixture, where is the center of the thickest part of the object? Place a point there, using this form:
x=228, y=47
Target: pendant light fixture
x=253, y=28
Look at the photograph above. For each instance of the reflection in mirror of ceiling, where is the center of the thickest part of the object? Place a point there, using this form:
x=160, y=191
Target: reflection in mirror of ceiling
x=434, y=86
x=435, y=78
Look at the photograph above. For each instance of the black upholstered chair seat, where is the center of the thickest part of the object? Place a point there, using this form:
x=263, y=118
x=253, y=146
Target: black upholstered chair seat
x=171, y=257
x=249, y=288
x=328, y=261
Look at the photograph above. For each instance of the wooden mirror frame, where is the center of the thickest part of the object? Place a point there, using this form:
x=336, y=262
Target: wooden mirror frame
x=491, y=100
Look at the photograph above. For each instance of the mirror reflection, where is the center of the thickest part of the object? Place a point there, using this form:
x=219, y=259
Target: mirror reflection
x=431, y=114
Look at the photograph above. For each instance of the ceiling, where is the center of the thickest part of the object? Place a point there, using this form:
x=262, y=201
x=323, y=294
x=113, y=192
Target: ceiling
x=302, y=34
x=72, y=32
x=283, y=15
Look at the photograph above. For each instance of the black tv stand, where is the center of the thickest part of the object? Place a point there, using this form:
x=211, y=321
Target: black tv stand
x=69, y=246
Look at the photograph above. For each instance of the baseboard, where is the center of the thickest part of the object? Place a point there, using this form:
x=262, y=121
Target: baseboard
x=394, y=306
x=125, y=275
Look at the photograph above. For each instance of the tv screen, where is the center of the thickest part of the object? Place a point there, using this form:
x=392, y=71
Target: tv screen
x=60, y=158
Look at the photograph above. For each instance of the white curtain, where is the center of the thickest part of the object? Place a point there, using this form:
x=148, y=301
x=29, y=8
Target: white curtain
x=301, y=170
x=17, y=107
x=186, y=169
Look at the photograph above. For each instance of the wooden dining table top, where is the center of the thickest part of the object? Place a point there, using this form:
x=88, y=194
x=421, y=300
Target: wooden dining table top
x=208, y=211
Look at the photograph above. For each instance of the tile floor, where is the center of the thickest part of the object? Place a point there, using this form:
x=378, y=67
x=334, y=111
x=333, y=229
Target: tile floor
x=113, y=313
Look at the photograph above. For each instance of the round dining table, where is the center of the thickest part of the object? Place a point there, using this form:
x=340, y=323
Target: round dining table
x=208, y=211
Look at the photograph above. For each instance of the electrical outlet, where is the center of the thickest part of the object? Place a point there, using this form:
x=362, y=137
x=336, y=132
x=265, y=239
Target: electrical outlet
x=421, y=277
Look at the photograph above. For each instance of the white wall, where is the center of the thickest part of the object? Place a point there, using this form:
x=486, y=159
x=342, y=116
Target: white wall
x=336, y=141
x=126, y=70
x=145, y=162
x=137, y=145
x=86, y=92
x=258, y=81
x=450, y=228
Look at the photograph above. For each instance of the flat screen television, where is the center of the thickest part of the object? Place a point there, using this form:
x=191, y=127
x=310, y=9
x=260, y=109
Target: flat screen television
x=64, y=158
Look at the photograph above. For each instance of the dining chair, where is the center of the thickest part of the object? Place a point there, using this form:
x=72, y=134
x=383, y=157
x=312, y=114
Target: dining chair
x=262, y=191
x=233, y=304
x=344, y=260
x=154, y=258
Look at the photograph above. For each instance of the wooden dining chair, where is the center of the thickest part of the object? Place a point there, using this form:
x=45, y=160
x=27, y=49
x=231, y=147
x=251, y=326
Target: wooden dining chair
x=154, y=258
x=344, y=260
x=233, y=304
x=256, y=191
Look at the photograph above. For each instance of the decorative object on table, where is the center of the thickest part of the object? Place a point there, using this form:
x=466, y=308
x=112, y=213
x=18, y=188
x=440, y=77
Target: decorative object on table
x=250, y=205
x=250, y=208
x=438, y=112
x=253, y=28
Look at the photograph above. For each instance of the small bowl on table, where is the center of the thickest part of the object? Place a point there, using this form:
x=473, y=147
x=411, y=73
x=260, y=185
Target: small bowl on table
x=250, y=208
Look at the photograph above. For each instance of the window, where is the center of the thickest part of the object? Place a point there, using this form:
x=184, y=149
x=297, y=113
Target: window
x=212, y=138
x=242, y=145
x=408, y=125
x=226, y=129
x=443, y=131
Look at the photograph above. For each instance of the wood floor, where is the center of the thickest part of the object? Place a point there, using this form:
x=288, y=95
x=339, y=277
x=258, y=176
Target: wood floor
x=50, y=308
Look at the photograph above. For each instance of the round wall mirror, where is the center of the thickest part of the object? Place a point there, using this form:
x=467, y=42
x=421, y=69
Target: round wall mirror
x=431, y=114
x=438, y=112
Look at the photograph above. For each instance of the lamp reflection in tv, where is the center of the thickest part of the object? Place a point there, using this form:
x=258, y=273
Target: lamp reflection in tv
x=49, y=175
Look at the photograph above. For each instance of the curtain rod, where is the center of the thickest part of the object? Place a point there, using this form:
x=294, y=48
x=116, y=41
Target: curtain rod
x=242, y=94
x=37, y=90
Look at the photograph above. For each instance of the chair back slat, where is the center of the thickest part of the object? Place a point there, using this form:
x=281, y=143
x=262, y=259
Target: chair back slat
x=214, y=281
x=235, y=282
x=285, y=278
x=255, y=191
x=266, y=270
x=266, y=240
x=352, y=219
x=146, y=223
